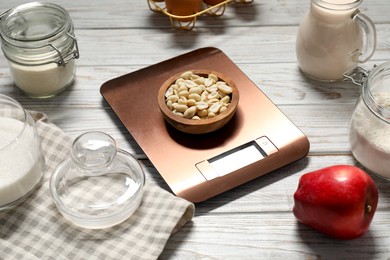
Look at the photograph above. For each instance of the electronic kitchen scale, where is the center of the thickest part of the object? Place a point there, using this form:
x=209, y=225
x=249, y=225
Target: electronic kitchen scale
x=257, y=140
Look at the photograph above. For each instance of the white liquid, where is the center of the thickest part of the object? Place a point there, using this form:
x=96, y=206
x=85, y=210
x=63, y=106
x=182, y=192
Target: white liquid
x=328, y=43
x=43, y=80
x=369, y=137
x=20, y=161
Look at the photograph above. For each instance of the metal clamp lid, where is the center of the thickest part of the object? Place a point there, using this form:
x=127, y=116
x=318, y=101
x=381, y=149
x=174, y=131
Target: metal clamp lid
x=357, y=75
x=64, y=59
x=3, y=13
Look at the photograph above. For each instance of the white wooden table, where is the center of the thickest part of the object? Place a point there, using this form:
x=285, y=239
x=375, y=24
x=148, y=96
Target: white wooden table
x=255, y=220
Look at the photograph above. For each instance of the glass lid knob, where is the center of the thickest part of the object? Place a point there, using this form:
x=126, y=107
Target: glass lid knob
x=94, y=152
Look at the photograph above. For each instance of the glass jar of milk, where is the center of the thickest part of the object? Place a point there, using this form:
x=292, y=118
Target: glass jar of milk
x=369, y=131
x=21, y=159
x=333, y=37
x=38, y=41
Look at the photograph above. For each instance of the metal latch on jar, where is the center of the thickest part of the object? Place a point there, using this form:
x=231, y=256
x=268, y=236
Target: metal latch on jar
x=3, y=13
x=64, y=59
x=357, y=75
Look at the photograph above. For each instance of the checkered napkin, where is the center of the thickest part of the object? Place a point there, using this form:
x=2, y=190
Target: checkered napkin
x=36, y=230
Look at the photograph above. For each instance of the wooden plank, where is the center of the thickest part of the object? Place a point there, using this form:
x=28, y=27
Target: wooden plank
x=136, y=14
x=281, y=82
x=321, y=112
x=273, y=192
x=125, y=47
x=327, y=133
x=254, y=220
x=270, y=236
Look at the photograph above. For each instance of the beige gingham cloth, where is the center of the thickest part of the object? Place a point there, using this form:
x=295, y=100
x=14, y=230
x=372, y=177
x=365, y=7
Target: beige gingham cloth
x=36, y=230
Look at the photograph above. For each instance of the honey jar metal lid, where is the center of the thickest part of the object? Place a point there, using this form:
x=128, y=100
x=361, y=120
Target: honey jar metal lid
x=99, y=186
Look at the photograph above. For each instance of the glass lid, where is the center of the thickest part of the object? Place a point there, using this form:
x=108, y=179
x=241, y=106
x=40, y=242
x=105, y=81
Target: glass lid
x=99, y=185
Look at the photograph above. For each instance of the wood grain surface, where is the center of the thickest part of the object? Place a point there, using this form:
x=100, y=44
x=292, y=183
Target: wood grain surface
x=253, y=221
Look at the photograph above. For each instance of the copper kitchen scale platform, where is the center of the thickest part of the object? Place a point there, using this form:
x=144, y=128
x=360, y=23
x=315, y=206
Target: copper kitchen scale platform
x=257, y=140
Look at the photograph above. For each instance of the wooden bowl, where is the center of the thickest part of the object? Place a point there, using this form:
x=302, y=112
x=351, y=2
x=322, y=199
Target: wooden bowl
x=199, y=126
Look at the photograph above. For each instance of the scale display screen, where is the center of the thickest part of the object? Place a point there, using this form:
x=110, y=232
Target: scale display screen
x=236, y=158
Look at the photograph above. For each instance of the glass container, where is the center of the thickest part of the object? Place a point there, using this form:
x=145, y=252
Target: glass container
x=99, y=185
x=333, y=37
x=39, y=43
x=369, y=130
x=21, y=159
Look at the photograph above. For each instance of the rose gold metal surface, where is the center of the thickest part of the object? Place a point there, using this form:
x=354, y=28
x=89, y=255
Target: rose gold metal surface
x=133, y=97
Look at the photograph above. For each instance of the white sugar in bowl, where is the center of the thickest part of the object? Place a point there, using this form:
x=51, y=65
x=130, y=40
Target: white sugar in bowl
x=21, y=159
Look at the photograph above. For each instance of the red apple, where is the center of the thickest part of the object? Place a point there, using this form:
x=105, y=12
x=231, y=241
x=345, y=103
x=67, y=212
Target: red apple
x=339, y=201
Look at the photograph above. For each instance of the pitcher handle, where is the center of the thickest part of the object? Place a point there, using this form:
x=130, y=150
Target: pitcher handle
x=369, y=44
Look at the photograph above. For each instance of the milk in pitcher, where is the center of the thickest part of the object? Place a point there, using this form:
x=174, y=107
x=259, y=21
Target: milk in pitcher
x=330, y=40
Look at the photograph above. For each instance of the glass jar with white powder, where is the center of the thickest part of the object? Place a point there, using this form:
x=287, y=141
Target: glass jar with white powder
x=39, y=43
x=369, y=131
x=21, y=158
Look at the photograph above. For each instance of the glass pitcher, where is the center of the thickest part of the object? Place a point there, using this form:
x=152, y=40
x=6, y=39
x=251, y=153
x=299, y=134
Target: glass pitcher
x=333, y=37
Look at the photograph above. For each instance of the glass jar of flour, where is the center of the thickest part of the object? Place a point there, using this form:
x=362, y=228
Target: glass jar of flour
x=369, y=131
x=38, y=41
